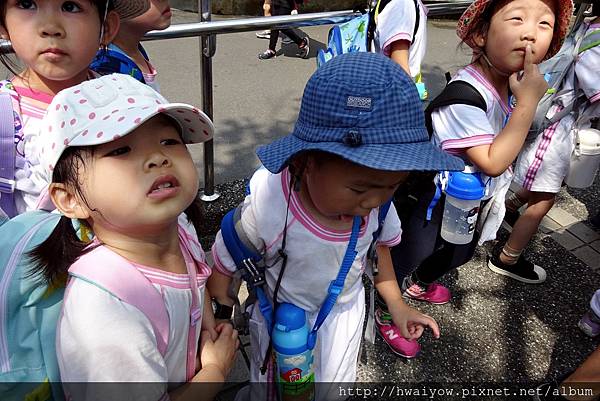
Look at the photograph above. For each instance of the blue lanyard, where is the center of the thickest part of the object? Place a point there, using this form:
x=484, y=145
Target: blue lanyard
x=337, y=285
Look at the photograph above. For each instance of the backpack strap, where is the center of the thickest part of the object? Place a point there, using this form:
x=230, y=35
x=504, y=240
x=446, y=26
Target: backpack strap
x=129, y=285
x=589, y=41
x=247, y=260
x=7, y=156
x=456, y=92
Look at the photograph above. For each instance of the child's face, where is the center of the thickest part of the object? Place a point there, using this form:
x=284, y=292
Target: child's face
x=142, y=181
x=514, y=26
x=158, y=17
x=55, y=39
x=339, y=189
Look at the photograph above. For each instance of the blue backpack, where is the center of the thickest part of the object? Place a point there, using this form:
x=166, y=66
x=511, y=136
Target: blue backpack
x=29, y=309
x=113, y=59
x=357, y=34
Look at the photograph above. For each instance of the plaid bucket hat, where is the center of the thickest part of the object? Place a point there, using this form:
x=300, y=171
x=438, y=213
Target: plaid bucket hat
x=128, y=9
x=103, y=109
x=478, y=7
x=366, y=109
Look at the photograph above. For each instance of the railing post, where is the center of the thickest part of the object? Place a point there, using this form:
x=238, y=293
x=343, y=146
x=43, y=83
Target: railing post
x=207, y=51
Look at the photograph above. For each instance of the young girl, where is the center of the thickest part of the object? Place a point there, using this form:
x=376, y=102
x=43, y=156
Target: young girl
x=115, y=151
x=507, y=36
x=125, y=54
x=544, y=163
x=359, y=131
x=55, y=40
x=401, y=34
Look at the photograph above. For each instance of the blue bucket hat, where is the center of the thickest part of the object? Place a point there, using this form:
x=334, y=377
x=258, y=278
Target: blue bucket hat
x=366, y=109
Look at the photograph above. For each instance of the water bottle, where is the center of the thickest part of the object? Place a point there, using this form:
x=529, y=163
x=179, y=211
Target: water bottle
x=293, y=357
x=464, y=192
x=585, y=159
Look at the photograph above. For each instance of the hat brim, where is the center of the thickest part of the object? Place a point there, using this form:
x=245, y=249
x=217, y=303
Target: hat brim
x=128, y=9
x=478, y=7
x=416, y=156
x=195, y=126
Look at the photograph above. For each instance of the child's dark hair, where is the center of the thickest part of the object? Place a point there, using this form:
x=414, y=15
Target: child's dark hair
x=52, y=258
x=101, y=5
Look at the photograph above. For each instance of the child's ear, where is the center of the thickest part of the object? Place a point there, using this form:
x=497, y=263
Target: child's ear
x=111, y=27
x=4, y=33
x=67, y=203
x=479, y=38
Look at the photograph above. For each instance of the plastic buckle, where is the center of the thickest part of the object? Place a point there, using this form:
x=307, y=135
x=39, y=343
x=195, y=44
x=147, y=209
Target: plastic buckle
x=255, y=276
x=334, y=288
x=7, y=186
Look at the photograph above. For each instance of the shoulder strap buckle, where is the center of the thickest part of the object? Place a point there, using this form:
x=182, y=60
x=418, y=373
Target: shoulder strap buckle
x=7, y=186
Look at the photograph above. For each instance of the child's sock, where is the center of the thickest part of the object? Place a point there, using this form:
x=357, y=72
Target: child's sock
x=510, y=255
x=411, y=280
x=380, y=303
x=514, y=202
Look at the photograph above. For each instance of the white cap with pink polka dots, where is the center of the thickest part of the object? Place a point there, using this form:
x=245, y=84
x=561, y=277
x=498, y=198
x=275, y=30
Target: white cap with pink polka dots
x=103, y=109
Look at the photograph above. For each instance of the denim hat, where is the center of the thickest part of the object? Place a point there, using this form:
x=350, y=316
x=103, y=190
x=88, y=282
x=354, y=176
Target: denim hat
x=366, y=109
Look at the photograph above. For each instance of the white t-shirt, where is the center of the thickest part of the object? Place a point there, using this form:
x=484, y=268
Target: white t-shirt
x=397, y=22
x=314, y=252
x=102, y=339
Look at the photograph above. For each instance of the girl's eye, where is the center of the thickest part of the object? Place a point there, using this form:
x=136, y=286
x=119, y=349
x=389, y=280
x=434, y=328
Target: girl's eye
x=547, y=24
x=118, y=152
x=25, y=4
x=517, y=19
x=357, y=191
x=71, y=7
x=170, y=141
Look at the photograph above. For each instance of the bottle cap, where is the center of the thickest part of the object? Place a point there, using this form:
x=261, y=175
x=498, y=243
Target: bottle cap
x=289, y=317
x=467, y=186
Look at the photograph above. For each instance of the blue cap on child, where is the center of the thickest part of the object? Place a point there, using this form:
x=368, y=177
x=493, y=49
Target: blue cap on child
x=366, y=109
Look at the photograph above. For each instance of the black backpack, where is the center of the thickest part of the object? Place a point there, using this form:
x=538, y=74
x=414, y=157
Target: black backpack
x=455, y=92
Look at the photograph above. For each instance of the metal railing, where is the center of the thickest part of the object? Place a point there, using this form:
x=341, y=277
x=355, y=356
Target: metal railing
x=207, y=31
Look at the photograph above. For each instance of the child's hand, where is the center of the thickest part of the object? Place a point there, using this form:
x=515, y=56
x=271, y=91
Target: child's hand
x=531, y=85
x=221, y=352
x=411, y=322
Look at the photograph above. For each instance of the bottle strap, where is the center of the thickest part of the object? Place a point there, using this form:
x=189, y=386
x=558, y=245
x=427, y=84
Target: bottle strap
x=440, y=181
x=336, y=286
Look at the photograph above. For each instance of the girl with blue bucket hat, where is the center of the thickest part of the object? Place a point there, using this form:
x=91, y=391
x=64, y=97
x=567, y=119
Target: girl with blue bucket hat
x=359, y=133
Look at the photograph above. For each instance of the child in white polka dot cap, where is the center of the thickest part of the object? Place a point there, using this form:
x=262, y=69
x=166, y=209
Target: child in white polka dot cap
x=115, y=151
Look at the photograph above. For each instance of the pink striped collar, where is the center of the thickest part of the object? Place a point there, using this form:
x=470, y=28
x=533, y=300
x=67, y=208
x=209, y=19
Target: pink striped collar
x=309, y=222
x=486, y=83
x=33, y=94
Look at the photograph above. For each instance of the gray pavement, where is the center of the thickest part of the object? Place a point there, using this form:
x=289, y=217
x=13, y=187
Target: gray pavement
x=494, y=329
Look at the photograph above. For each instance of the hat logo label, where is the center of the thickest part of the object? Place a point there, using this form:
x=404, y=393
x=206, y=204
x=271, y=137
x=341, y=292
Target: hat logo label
x=359, y=102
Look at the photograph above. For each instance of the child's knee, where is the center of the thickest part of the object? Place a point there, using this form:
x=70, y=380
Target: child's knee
x=540, y=204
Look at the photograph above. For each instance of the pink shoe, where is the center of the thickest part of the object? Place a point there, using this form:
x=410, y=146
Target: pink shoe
x=391, y=335
x=435, y=293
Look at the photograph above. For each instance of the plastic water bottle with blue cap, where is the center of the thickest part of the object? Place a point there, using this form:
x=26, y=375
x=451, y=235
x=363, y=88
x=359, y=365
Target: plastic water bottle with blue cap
x=464, y=191
x=293, y=356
